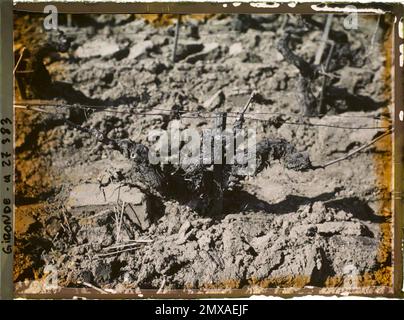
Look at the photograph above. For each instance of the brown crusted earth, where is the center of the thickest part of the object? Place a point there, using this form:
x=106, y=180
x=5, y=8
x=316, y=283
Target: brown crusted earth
x=323, y=228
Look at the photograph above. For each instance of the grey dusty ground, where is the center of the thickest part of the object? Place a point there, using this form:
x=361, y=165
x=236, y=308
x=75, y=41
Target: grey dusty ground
x=284, y=228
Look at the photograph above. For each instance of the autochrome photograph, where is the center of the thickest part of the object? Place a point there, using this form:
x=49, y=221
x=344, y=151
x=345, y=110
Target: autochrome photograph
x=203, y=153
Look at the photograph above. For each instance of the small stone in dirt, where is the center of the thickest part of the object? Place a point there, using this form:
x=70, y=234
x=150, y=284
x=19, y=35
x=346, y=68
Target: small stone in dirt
x=185, y=227
x=202, y=223
x=86, y=276
x=97, y=48
x=123, y=18
x=356, y=229
x=128, y=278
x=102, y=272
x=307, y=230
x=254, y=40
x=250, y=57
x=141, y=49
x=279, y=81
x=205, y=241
x=101, y=236
x=186, y=49
x=160, y=41
x=89, y=195
x=343, y=228
x=317, y=212
x=315, y=266
x=343, y=216
x=211, y=51
x=330, y=228
x=349, y=78
x=183, y=233
x=53, y=226
x=235, y=49
x=154, y=66
x=215, y=102
x=139, y=213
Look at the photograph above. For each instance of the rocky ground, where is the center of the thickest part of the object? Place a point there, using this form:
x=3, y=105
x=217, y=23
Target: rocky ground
x=327, y=228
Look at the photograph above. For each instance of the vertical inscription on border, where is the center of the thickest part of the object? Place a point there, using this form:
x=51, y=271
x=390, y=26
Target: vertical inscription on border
x=6, y=150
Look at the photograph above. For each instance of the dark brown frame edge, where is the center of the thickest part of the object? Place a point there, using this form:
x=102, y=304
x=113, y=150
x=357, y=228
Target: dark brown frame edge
x=398, y=156
x=395, y=9
x=6, y=111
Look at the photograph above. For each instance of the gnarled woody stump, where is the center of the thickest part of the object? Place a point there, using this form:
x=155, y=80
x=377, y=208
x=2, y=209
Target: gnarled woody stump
x=197, y=184
x=316, y=104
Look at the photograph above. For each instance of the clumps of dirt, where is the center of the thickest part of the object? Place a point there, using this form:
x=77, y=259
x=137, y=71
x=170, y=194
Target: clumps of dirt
x=164, y=20
x=306, y=247
x=283, y=229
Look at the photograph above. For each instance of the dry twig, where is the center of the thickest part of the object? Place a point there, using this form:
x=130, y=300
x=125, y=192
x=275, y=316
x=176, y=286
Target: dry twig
x=324, y=39
x=115, y=252
x=19, y=60
x=177, y=32
x=240, y=119
x=161, y=288
x=89, y=285
x=119, y=223
x=350, y=154
x=324, y=84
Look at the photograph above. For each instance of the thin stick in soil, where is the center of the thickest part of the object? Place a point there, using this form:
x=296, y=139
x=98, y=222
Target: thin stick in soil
x=133, y=244
x=118, y=239
x=89, y=285
x=66, y=221
x=240, y=119
x=325, y=80
x=142, y=241
x=19, y=60
x=115, y=252
x=372, y=41
x=177, y=32
x=117, y=224
x=324, y=39
x=161, y=288
x=350, y=154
